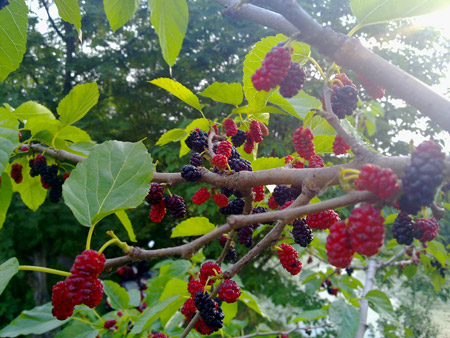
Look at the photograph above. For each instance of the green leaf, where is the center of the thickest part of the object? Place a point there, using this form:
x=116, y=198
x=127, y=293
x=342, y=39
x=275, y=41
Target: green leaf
x=298, y=106
x=77, y=103
x=380, y=301
x=253, y=61
x=172, y=135
x=125, y=220
x=310, y=315
x=35, y=321
x=5, y=196
x=194, y=226
x=409, y=270
x=135, y=298
x=437, y=280
x=252, y=302
x=69, y=11
x=117, y=295
x=7, y=271
x=323, y=143
x=264, y=163
x=119, y=12
x=438, y=251
x=9, y=134
x=78, y=330
x=318, y=125
x=224, y=92
x=344, y=317
x=170, y=20
x=230, y=311
x=369, y=12
x=176, y=287
x=31, y=109
x=73, y=134
x=30, y=190
x=179, y=91
x=151, y=314
x=13, y=36
x=114, y=177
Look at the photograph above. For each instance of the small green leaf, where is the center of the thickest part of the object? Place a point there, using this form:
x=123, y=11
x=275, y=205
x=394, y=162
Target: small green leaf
x=230, y=93
x=119, y=12
x=30, y=190
x=5, y=196
x=230, y=311
x=35, y=321
x=125, y=220
x=252, y=302
x=117, y=295
x=345, y=318
x=389, y=219
x=409, y=270
x=194, y=226
x=264, y=163
x=78, y=330
x=13, y=36
x=369, y=12
x=114, y=177
x=319, y=125
x=310, y=315
x=7, y=271
x=437, y=280
x=9, y=135
x=77, y=103
x=179, y=91
x=31, y=109
x=69, y=11
x=151, y=314
x=176, y=287
x=170, y=20
x=438, y=251
x=135, y=298
x=380, y=302
x=323, y=143
x=172, y=135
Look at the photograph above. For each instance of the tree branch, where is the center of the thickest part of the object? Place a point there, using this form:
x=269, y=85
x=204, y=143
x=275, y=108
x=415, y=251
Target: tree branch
x=298, y=328
x=364, y=308
x=52, y=22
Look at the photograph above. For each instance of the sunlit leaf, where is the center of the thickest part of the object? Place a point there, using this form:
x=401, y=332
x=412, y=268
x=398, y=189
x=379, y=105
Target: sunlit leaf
x=119, y=12
x=194, y=226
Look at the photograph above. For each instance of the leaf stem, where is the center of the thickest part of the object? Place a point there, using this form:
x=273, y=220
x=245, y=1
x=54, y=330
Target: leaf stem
x=42, y=269
x=111, y=241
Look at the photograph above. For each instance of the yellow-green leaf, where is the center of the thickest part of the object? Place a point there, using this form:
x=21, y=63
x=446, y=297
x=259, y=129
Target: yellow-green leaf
x=172, y=135
x=9, y=136
x=224, y=92
x=125, y=220
x=69, y=10
x=170, y=19
x=179, y=91
x=194, y=226
x=31, y=109
x=30, y=190
x=119, y=12
x=5, y=196
x=264, y=163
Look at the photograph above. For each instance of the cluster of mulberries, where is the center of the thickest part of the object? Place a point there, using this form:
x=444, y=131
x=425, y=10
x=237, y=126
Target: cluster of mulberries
x=81, y=287
x=49, y=177
x=210, y=311
x=16, y=172
x=159, y=204
x=422, y=177
x=301, y=232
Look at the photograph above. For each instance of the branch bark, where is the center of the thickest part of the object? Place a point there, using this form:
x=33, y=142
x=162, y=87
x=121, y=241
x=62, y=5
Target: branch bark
x=364, y=308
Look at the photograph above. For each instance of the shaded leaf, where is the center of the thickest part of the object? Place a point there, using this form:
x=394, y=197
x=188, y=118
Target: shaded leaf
x=13, y=36
x=9, y=135
x=135, y=298
x=117, y=295
x=194, y=226
x=230, y=311
x=125, y=220
x=172, y=135
x=179, y=91
x=170, y=20
x=5, y=196
x=345, y=318
x=114, y=177
x=310, y=315
x=35, y=321
x=78, y=330
x=251, y=301
x=7, y=271
x=69, y=11
x=380, y=302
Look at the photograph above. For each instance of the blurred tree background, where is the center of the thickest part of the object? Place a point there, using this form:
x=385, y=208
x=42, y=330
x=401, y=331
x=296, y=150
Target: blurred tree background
x=131, y=109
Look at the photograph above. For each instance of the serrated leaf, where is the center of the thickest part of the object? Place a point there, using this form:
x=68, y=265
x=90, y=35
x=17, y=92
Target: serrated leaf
x=78, y=330
x=117, y=295
x=114, y=177
x=323, y=143
x=172, y=135
x=5, y=196
x=170, y=20
x=179, y=91
x=252, y=302
x=151, y=314
x=264, y=163
x=77, y=103
x=345, y=318
x=31, y=109
x=7, y=271
x=69, y=11
x=35, y=321
x=9, y=136
x=119, y=12
x=13, y=36
x=230, y=93
x=125, y=220
x=30, y=189
x=310, y=315
x=253, y=61
x=369, y=12
x=194, y=226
